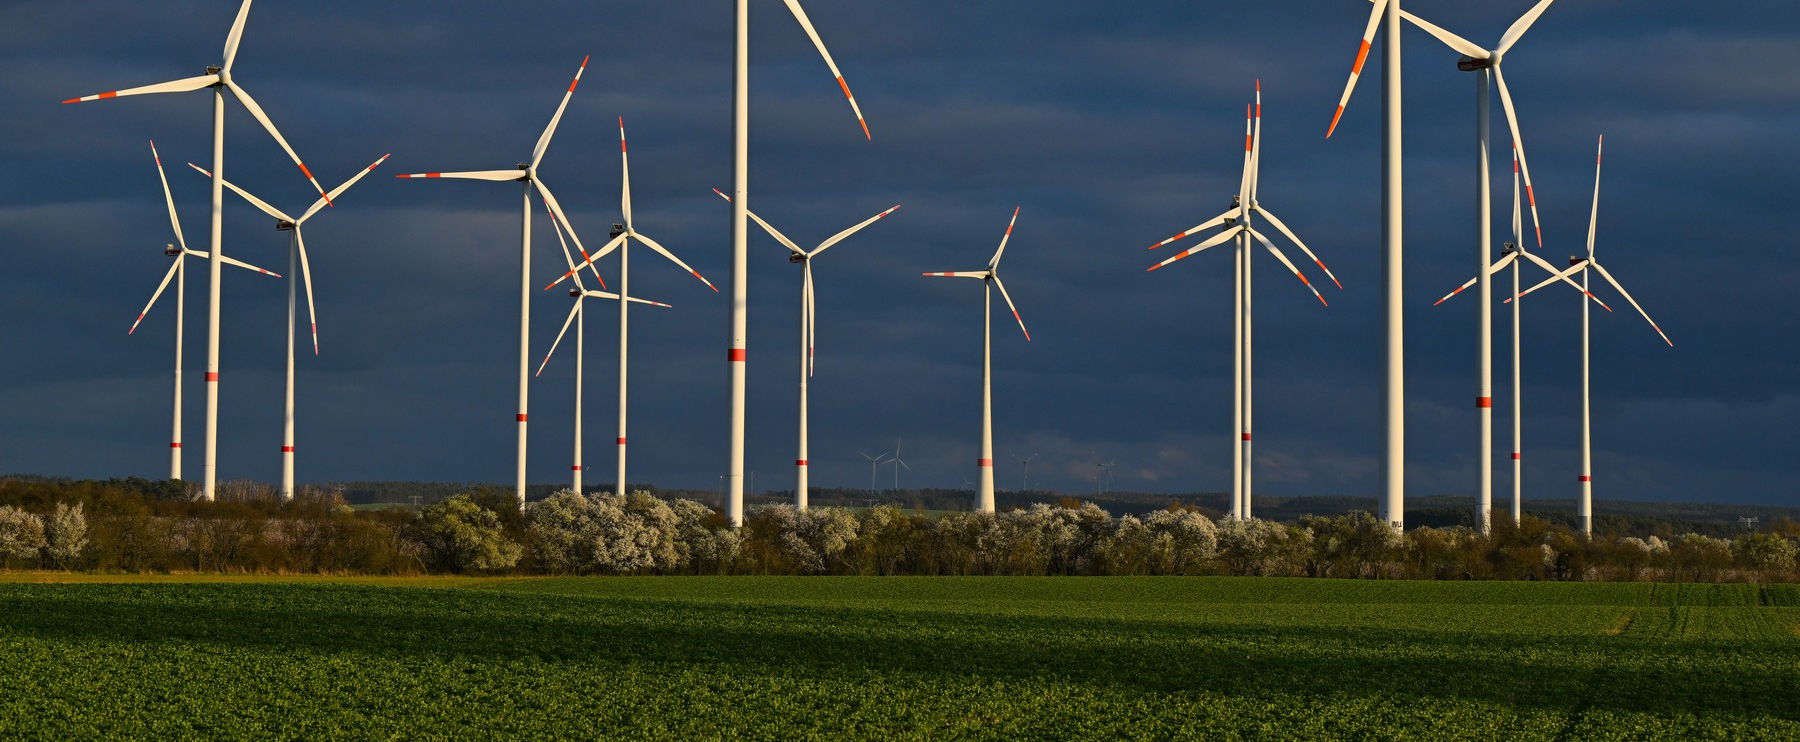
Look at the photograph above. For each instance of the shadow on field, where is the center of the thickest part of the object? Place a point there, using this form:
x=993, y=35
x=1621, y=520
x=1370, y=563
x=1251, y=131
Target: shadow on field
x=1659, y=677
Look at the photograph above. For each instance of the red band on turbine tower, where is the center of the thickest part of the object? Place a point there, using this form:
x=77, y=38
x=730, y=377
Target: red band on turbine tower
x=1515, y=456
x=1585, y=478
x=1484, y=402
x=1246, y=436
x=621, y=441
x=735, y=355
x=576, y=467
x=212, y=376
x=799, y=462
x=175, y=444
x=984, y=462
x=287, y=449
x=521, y=417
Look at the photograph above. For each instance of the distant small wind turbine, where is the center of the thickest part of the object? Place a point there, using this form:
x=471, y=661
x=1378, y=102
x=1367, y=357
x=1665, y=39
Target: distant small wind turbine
x=297, y=264
x=874, y=461
x=178, y=272
x=1025, y=470
x=897, y=462
x=990, y=279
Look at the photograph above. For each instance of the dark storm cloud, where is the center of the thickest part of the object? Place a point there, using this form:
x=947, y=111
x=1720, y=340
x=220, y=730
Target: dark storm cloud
x=1112, y=128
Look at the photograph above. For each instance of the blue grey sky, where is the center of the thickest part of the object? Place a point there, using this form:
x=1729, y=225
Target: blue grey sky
x=1111, y=126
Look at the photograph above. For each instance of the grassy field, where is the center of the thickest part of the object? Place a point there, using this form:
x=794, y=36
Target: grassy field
x=894, y=658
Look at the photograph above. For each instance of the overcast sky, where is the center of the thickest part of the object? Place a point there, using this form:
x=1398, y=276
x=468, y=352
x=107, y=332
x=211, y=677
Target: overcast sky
x=1111, y=126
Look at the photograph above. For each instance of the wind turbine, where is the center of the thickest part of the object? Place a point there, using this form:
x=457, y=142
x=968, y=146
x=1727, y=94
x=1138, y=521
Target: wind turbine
x=296, y=252
x=874, y=461
x=740, y=255
x=219, y=79
x=807, y=322
x=1584, y=266
x=1024, y=470
x=897, y=462
x=1238, y=223
x=990, y=278
x=1103, y=478
x=581, y=293
x=1387, y=13
x=527, y=174
x=622, y=236
x=178, y=272
x=1486, y=62
x=1510, y=258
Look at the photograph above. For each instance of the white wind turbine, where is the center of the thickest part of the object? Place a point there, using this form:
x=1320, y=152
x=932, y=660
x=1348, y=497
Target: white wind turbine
x=1393, y=466
x=298, y=269
x=874, y=461
x=807, y=322
x=740, y=255
x=898, y=462
x=990, y=279
x=527, y=174
x=1510, y=255
x=1238, y=223
x=219, y=79
x=1486, y=62
x=622, y=237
x=1583, y=266
x=577, y=315
x=177, y=272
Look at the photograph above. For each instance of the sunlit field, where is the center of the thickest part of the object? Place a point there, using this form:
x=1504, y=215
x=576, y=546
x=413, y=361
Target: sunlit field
x=894, y=658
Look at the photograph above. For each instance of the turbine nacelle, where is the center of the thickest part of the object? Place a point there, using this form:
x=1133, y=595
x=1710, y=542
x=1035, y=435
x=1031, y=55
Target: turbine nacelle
x=575, y=293
x=171, y=250
x=284, y=226
x=1509, y=248
x=1471, y=64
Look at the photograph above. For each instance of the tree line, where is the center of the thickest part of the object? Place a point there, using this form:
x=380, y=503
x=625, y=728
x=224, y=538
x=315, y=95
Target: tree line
x=149, y=526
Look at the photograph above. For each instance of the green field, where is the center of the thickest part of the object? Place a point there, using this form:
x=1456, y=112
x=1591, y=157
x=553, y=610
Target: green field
x=895, y=658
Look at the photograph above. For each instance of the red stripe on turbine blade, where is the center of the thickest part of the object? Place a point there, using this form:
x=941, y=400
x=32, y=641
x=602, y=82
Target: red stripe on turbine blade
x=1362, y=55
x=735, y=355
x=212, y=376
x=984, y=462
x=1334, y=121
x=1484, y=402
x=108, y=94
x=844, y=85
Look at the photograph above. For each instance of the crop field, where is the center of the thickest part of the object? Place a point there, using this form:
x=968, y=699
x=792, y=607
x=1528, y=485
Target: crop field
x=895, y=658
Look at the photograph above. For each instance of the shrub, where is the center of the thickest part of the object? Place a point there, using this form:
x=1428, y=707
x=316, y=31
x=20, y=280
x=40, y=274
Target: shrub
x=21, y=533
x=457, y=535
x=1262, y=547
x=1768, y=552
x=65, y=535
x=1185, y=541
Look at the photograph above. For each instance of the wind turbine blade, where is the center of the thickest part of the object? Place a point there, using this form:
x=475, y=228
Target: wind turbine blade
x=173, y=266
x=625, y=177
x=1256, y=145
x=236, y=36
x=773, y=232
x=312, y=314
x=239, y=263
x=812, y=33
x=173, y=86
x=995, y=262
x=1518, y=224
x=335, y=192
x=574, y=272
x=634, y=300
x=1009, y=305
x=1266, y=214
x=839, y=237
x=1232, y=213
x=543, y=142
x=1519, y=27
x=556, y=210
x=1210, y=241
x=573, y=310
x=256, y=112
x=254, y=201
x=959, y=274
x=1594, y=211
x=1494, y=267
x=1243, y=190
x=1362, y=55
x=807, y=308
x=604, y=251
x=1512, y=123
x=1290, y=266
x=168, y=198
x=496, y=175
x=663, y=251
x=1457, y=43
x=1601, y=269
